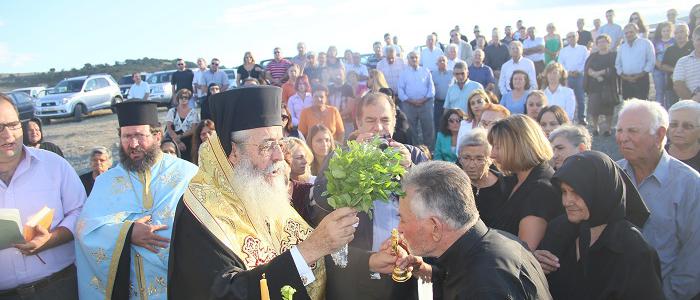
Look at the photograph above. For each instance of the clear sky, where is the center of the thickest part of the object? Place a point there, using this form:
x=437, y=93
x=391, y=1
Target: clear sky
x=38, y=35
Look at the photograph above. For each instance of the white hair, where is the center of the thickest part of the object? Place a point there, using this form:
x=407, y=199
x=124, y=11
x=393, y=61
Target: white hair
x=450, y=47
x=659, y=115
x=477, y=137
x=690, y=105
x=483, y=54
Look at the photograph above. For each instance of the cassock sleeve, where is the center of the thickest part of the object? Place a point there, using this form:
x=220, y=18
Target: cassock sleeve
x=200, y=267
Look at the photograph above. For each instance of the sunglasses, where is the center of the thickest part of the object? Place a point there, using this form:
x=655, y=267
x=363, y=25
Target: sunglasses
x=454, y=120
x=285, y=118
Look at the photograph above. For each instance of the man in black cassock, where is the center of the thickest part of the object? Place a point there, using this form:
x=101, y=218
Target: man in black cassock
x=439, y=219
x=235, y=225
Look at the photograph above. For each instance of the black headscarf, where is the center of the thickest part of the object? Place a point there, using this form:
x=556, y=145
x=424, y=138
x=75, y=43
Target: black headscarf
x=607, y=191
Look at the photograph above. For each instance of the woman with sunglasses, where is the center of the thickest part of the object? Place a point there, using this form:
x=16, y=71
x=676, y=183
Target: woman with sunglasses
x=181, y=122
x=446, y=141
x=288, y=129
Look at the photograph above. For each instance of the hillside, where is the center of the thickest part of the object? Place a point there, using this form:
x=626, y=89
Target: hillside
x=119, y=69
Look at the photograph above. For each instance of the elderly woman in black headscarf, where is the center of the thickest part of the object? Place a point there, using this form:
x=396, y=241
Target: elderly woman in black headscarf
x=34, y=137
x=596, y=250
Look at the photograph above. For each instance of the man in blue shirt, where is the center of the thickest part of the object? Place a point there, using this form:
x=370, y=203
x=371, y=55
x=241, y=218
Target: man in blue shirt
x=416, y=92
x=459, y=92
x=480, y=72
x=442, y=78
x=671, y=190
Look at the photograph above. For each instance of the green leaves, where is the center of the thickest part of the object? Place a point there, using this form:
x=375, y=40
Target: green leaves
x=287, y=292
x=361, y=174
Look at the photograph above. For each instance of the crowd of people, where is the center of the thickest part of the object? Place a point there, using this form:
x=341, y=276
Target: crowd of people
x=226, y=197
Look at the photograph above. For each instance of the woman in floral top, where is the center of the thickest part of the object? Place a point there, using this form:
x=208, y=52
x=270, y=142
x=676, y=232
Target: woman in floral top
x=181, y=122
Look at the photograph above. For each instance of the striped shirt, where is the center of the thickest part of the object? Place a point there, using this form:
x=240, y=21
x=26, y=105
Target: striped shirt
x=278, y=69
x=688, y=71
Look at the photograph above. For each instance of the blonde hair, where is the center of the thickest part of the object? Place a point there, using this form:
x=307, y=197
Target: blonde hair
x=522, y=143
x=552, y=67
x=376, y=80
x=296, y=143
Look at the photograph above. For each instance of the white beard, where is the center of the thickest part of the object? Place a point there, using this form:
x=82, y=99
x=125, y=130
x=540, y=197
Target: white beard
x=264, y=200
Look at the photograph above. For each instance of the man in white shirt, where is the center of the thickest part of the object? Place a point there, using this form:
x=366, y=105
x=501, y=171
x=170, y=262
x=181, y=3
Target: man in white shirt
x=517, y=62
x=533, y=48
x=140, y=89
x=464, y=49
x=391, y=66
x=430, y=54
x=452, y=58
x=198, y=83
x=573, y=58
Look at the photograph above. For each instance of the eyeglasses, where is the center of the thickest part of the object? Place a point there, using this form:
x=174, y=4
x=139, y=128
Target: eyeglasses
x=684, y=125
x=454, y=120
x=16, y=125
x=467, y=160
x=138, y=136
x=265, y=148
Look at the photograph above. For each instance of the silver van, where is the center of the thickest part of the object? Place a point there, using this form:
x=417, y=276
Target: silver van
x=77, y=96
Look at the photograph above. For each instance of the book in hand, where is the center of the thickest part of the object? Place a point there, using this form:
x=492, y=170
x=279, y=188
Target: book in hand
x=13, y=232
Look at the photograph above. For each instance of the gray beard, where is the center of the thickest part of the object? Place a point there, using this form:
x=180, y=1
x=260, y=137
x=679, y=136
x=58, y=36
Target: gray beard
x=140, y=166
x=266, y=201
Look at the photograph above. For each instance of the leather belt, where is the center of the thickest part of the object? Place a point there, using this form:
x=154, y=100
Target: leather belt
x=32, y=287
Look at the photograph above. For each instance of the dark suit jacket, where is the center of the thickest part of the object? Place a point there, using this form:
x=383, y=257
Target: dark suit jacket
x=354, y=281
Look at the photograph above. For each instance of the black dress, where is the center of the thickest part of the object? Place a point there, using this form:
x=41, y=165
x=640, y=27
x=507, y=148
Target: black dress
x=621, y=265
x=693, y=162
x=49, y=146
x=256, y=72
x=87, y=181
x=490, y=200
x=535, y=197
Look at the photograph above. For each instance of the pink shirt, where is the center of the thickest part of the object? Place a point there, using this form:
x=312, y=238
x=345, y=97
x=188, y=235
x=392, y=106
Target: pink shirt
x=42, y=178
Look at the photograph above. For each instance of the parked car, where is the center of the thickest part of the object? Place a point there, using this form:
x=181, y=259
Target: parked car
x=126, y=81
x=24, y=104
x=35, y=91
x=78, y=96
x=161, y=89
x=231, y=74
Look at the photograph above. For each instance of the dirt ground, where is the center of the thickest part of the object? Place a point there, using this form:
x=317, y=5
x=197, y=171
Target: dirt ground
x=100, y=129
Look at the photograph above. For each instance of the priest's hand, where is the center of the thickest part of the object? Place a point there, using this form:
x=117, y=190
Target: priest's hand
x=41, y=237
x=334, y=231
x=548, y=261
x=143, y=235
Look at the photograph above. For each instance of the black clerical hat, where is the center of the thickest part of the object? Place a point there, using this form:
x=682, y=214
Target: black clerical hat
x=245, y=108
x=137, y=112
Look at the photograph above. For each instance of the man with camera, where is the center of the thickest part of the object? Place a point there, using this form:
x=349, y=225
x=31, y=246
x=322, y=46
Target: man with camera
x=376, y=117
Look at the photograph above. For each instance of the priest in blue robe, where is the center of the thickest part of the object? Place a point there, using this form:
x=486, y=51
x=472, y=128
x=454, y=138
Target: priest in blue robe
x=123, y=234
